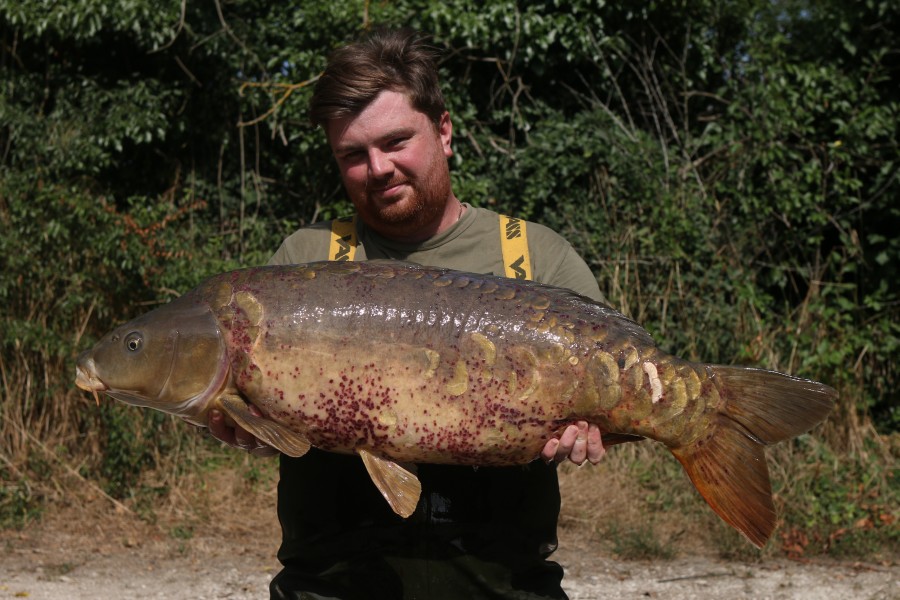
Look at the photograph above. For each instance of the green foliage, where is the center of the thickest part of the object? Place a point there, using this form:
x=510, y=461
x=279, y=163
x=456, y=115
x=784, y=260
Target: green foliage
x=127, y=452
x=838, y=504
x=19, y=503
x=148, y=22
x=728, y=170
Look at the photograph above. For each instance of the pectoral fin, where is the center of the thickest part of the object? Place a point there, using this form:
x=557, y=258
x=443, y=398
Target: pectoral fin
x=276, y=435
x=400, y=487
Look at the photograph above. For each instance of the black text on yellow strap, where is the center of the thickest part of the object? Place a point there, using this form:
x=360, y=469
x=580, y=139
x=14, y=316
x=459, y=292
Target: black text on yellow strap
x=343, y=239
x=514, y=245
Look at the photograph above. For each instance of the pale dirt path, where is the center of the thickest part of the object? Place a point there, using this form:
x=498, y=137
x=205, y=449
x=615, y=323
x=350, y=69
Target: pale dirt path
x=118, y=558
x=702, y=577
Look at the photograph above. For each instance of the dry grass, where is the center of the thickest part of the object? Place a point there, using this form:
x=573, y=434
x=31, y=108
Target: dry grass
x=637, y=503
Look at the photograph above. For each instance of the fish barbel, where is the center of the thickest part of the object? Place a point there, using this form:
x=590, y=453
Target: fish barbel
x=406, y=364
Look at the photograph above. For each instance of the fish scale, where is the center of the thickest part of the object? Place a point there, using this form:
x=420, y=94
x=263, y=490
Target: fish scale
x=400, y=363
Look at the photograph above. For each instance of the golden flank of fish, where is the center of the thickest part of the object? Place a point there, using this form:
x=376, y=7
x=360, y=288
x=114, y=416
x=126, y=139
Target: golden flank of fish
x=406, y=364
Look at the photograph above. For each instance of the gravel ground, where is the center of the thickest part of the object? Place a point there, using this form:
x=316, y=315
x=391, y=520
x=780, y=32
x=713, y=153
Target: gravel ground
x=131, y=561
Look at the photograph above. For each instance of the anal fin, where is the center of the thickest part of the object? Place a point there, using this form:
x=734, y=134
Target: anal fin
x=399, y=486
x=276, y=435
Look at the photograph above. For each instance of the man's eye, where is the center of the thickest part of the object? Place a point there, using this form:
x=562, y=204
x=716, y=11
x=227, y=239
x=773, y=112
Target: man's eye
x=352, y=156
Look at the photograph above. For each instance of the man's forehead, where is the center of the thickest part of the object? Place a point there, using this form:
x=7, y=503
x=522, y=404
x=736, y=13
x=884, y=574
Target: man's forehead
x=389, y=113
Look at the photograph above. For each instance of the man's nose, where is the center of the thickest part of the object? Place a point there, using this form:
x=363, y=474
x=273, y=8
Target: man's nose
x=380, y=165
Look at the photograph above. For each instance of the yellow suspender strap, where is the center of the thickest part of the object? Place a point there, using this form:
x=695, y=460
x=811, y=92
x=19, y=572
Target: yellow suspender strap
x=514, y=243
x=343, y=239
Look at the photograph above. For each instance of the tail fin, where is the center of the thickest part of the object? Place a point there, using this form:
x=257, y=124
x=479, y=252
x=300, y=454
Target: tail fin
x=728, y=467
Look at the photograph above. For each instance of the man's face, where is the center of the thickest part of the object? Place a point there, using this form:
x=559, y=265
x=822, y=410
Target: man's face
x=393, y=162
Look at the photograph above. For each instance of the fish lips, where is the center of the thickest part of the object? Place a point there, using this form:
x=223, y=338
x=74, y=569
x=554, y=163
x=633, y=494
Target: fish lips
x=87, y=379
x=86, y=375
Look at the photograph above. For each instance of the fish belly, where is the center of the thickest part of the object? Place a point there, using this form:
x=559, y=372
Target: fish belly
x=416, y=364
x=414, y=400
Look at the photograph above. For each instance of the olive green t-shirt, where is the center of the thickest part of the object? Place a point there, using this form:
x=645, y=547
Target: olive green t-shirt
x=471, y=244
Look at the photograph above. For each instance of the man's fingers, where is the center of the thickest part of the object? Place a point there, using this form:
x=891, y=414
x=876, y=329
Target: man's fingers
x=578, y=452
x=218, y=428
x=548, y=454
x=595, y=449
x=579, y=442
x=567, y=442
x=244, y=440
x=237, y=436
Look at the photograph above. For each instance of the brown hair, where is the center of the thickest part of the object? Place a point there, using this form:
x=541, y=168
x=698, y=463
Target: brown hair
x=385, y=59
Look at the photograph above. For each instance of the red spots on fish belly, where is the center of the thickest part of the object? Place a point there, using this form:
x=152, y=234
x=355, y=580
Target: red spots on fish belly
x=352, y=410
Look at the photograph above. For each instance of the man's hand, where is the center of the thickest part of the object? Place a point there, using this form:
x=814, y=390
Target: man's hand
x=579, y=442
x=237, y=436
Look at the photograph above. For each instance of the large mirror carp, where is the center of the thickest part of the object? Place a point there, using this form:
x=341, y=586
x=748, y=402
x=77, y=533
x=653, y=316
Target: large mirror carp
x=406, y=364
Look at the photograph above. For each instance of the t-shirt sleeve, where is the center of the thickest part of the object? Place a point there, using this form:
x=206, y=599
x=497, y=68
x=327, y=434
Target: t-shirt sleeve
x=555, y=262
x=281, y=256
x=573, y=273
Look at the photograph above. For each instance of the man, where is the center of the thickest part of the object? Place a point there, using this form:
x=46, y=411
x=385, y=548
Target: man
x=476, y=533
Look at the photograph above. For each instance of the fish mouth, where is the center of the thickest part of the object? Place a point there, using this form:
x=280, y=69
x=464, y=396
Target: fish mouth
x=87, y=380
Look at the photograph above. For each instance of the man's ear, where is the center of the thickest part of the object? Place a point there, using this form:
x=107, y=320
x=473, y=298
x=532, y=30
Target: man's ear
x=445, y=130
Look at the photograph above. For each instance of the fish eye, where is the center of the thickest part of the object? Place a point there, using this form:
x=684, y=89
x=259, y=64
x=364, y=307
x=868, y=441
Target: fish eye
x=134, y=341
